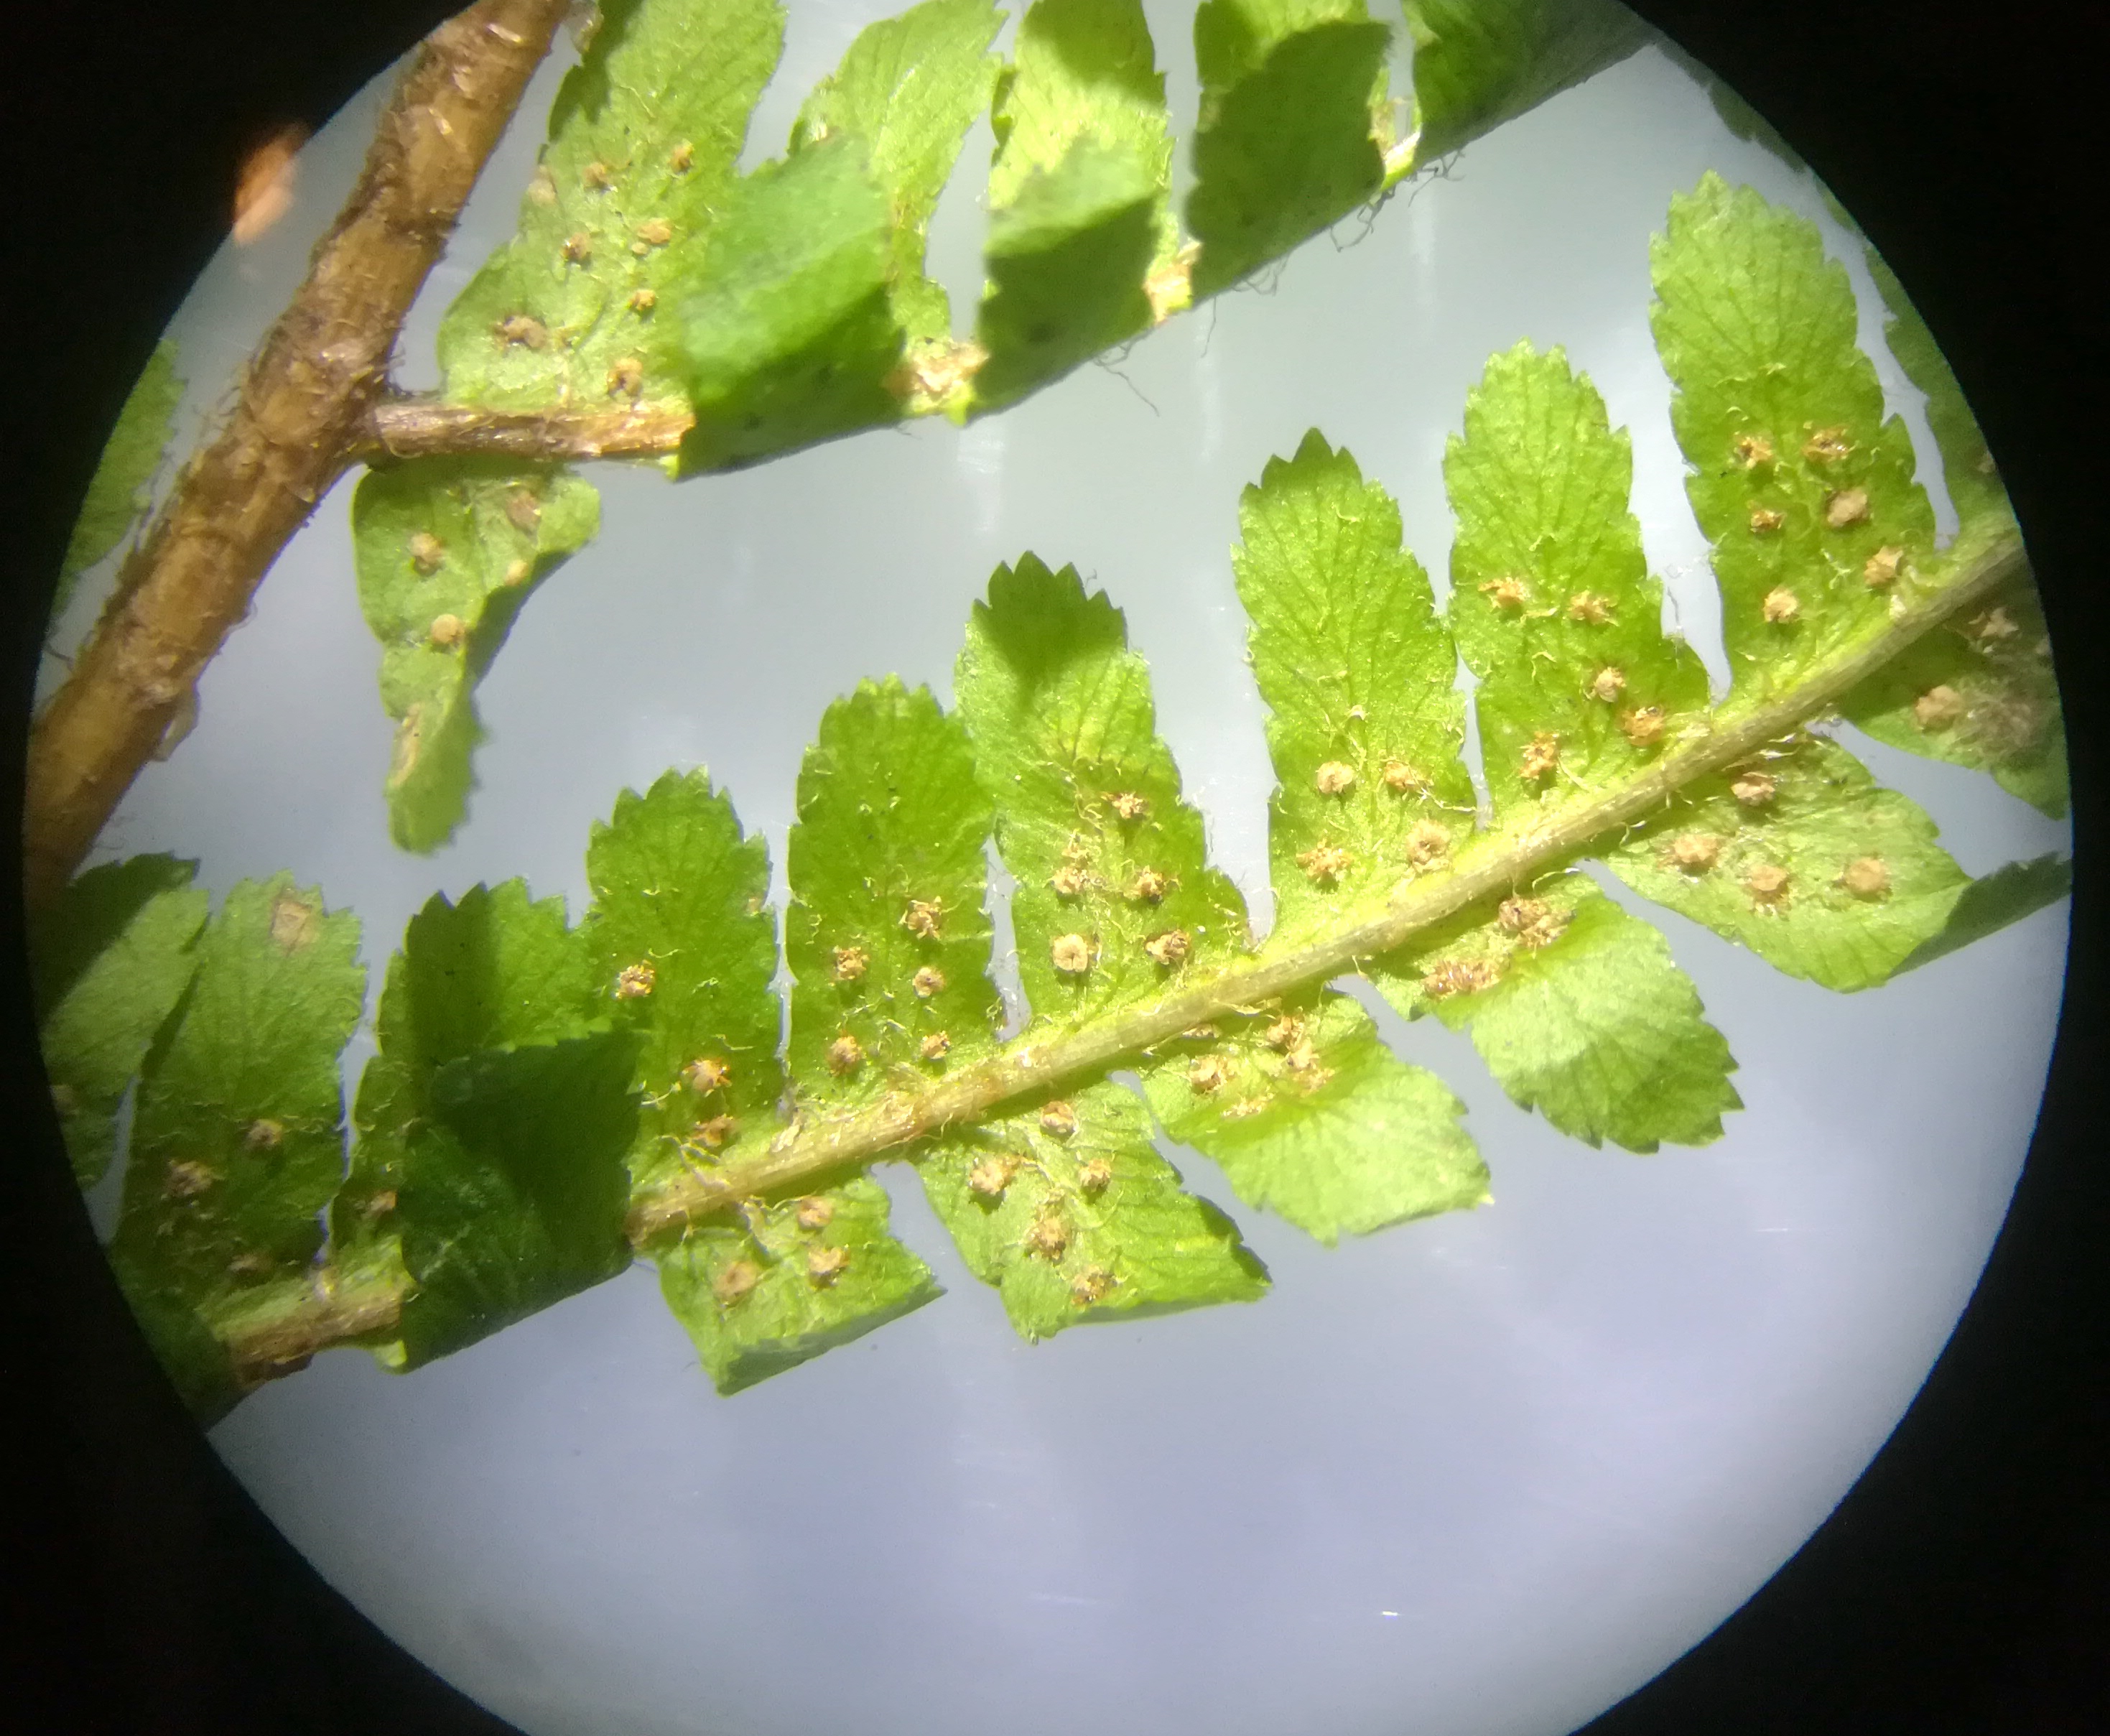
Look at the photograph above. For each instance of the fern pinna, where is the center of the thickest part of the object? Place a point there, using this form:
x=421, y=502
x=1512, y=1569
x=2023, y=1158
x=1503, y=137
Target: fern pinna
x=549, y=1101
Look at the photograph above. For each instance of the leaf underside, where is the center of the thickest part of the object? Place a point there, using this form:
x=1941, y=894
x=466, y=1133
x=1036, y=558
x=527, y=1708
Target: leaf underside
x=542, y=1089
x=238, y=1138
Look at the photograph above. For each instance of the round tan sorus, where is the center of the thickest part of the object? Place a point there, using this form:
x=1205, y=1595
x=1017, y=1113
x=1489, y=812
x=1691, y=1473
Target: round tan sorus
x=1755, y=789
x=1766, y=883
x=1695, y=852
x=1169, y=949
x=1149, y=887
x=1208, y=1075
x=706, y=1073
x=1071, y=954
x=1848, y=506
x=1285, y=1033
x=1427, y=843
x=1643, y=726
x=1325, y=864
x=427, y=552
x=1401, y=778
x=1866, y=877
x=1939, y=707
x=1048, y=1237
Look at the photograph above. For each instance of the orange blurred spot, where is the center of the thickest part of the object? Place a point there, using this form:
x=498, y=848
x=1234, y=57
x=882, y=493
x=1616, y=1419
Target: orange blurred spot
x=264, y=192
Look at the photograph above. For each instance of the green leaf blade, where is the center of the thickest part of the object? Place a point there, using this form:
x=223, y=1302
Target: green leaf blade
x=908, y=88
x=1309, y=1114
x=492, y=969
x=1082, y=70
x=110, y=962
x=1551, y=601
x=1580, y=1013
x=1803, y=858
x=1477, y=63
x=643, y=139
x=240, y=1111
x=448, y=552
x=1995, y=901
x=1979, y=692
x=681, y=919
x=512, y=1196
x=493, y=1126
x=887, y=937
x=1110, y=861
x=1972, y=478
x=790, y=1280
x=1287, y=142
x=120, y=490
x=792, y=337
x=1068, y=258
x=237, y=1139
x=1070, y=1213
x=1364, y=724
x=1084, y=251
x=1804, y=489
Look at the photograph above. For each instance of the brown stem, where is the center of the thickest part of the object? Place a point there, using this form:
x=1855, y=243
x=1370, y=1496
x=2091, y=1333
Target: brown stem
x=412, y=429
x=303, y=400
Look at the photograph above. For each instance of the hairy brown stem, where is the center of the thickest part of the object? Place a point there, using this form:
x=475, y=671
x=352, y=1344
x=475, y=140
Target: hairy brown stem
x=410, y=427
x=295, y=426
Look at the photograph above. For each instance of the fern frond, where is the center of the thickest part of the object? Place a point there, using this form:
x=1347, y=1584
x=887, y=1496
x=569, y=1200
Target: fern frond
x=549, y=1099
